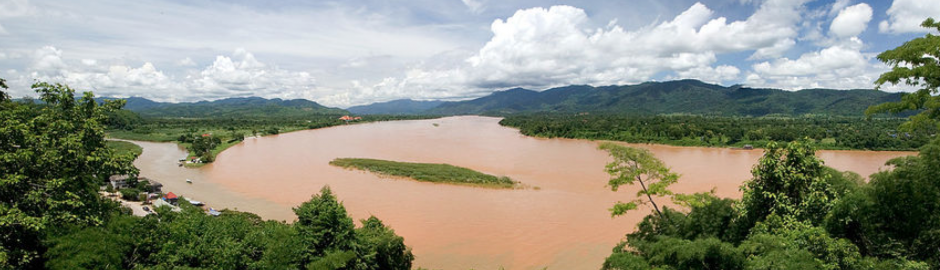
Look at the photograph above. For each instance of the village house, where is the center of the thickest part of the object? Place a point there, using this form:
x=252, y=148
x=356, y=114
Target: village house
x=119, y=181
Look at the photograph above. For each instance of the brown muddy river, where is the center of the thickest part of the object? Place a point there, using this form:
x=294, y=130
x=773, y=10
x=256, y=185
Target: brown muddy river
x=564, y=224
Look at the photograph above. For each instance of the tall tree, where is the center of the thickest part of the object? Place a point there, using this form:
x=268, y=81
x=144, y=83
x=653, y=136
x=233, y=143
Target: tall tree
x=3, y=95
x=326, y=231
x=634, y=165
x=915, y=63
x=789, y=182
x=53, y=159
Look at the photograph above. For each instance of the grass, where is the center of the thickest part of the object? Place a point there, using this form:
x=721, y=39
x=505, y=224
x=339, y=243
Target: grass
x=121, y=147
x=426, y=172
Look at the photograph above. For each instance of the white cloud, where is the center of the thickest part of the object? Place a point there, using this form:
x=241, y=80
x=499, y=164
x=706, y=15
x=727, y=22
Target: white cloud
x=841, y=66
x=48, y=60
x=905, y=16
x=851, y=21
x=239, y=75
x=186, y=62
x=837, y=7
x=710, y=74
x=545, y=47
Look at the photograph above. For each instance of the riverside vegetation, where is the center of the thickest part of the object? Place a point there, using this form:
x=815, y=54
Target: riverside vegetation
x=833, y=133
x=795, y=212
x=53, y=159
x=426, y=172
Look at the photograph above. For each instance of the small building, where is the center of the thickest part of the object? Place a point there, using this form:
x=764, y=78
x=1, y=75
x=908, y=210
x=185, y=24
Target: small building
x=171, y=198
x=119, y=181
x=155, y=187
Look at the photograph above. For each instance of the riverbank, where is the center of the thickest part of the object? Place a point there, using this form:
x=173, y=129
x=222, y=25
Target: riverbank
x=827, y=133
x=231, y=132
x=426, y=172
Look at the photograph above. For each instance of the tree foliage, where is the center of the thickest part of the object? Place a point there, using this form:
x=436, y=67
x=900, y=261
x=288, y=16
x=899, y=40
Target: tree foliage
x=798, y=214
x=634, y=165
x=914, y=63
x=52, y=161
x=690, y=130
x=789, y=182
x=323, y=227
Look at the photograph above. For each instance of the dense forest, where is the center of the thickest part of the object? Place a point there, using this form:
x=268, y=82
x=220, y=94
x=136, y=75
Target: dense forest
x=689, y=130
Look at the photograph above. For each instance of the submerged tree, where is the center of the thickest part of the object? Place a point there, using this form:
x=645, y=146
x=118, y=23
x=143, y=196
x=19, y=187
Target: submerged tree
x=634, y=165
x=915, y=63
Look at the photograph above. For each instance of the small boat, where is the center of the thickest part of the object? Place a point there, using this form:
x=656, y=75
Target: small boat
x=189, y=181
x=196, y=203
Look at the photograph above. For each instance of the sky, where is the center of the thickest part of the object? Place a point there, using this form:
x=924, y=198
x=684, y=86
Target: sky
x=355, y=52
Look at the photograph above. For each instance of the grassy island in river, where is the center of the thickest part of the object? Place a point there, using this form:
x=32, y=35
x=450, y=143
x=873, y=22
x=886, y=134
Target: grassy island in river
x=426, y=172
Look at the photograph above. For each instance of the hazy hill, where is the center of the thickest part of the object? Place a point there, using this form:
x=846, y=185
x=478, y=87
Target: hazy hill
x=401, y=106
x=684, y=96
x=230, y=107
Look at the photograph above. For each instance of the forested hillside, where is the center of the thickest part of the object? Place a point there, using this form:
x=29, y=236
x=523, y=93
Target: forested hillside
x=684, y=96
x=400, y=106
x=230, y=107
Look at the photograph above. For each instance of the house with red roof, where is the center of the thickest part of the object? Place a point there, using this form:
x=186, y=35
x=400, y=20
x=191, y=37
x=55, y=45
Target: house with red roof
x=171, y=198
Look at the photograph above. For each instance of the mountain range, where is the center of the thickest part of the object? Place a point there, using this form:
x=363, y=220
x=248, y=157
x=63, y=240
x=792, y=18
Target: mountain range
x=400, y=106
x=682, y=96
x=229, y=107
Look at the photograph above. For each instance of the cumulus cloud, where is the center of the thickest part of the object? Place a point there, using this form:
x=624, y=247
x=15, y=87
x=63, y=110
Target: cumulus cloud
x=710, y=74
x=240, y=74
x=905, y=16
x=841, y=66
x=545, y=47
x=851, y=21
x=246, y=76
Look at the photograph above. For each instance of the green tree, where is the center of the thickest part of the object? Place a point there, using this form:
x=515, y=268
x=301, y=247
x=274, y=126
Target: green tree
x=914, y=63
x=789, y=182
x=380, y=247
x=325, y=230
x=53, y=159
x=634, y=165
x=3, y=94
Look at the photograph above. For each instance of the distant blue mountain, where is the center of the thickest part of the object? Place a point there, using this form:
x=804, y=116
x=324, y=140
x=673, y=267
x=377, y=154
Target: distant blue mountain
x=400, y=106
x=229, y=107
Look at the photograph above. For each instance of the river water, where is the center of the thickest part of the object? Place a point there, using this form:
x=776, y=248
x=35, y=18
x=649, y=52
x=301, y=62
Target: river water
x=561, y=222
